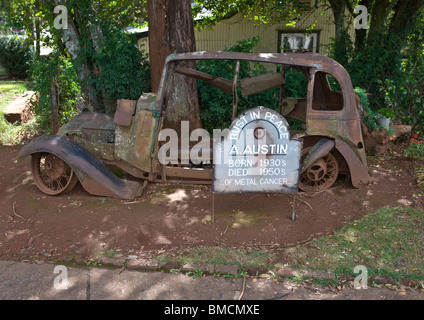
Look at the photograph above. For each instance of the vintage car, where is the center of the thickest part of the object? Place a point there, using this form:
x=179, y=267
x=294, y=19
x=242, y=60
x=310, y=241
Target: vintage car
x=90, y=144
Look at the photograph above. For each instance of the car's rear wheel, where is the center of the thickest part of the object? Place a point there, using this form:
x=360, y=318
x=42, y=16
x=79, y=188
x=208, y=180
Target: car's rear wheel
x=51, y=174
x=320, y=175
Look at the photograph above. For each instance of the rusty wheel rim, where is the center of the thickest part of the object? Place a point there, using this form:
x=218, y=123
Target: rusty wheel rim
x=320, y=175
x=51, y=174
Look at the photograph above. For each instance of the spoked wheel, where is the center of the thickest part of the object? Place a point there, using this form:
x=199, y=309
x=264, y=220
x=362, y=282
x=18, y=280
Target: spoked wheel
x=51, y=174
x=320, y=175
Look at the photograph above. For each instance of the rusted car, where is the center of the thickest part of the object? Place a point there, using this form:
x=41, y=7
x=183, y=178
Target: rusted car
x=90, y=144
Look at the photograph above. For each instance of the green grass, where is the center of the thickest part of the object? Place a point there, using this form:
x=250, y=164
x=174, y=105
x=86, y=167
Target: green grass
x=220, y=255
x=389, y=242
x=15, y=133
x=10, y=90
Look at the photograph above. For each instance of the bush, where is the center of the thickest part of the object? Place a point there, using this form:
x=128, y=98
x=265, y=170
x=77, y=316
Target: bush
x=392, y=77
x=15, y=56
x=369, y=117
x=416, y=148
x=408, y=94
x=69, y=92
x=216, y=105
x=119, y=69
x=125, y=70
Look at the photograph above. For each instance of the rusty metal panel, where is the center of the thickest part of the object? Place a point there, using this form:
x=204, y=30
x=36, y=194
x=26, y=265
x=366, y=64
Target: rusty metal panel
x=134, y=144
x=261, y=83
x=124, y=113
x=359, y=172
x=94, y=131
x=257, y=155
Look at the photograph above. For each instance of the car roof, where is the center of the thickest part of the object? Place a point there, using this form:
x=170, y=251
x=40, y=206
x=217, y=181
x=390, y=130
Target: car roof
x=306, y=59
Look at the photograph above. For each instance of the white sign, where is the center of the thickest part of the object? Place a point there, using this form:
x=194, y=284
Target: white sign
x=257, y=155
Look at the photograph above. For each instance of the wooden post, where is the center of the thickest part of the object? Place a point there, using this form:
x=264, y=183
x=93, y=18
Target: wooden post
x=54, y=100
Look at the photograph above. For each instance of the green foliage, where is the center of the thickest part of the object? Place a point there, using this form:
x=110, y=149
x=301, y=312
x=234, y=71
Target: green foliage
x=125, y=71
x=106, y=58
x=114, y=67
x=406, y=93
x=373, y=65
x=216, y=105
x=270, y=11
x=196, y=273
x=389, y=67
x=420, y=177
x=341, y=50
x=70, y=99
x=369, y=117
x=296, y=84
x=15, y=133
x=10, y=90
x=378, y=61
x=386, y=113
x=122, y=13
x=15, y=56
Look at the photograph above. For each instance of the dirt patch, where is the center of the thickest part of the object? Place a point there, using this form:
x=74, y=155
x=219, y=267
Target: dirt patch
x=19, y=108
x=79, y=225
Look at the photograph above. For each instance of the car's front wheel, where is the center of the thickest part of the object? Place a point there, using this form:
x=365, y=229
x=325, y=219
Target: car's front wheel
x=51, y=174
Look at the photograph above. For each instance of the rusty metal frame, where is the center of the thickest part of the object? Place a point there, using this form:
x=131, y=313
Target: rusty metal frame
x=343, y=125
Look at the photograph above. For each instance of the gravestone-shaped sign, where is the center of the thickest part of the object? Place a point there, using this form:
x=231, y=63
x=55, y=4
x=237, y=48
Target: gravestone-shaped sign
x=256, y=155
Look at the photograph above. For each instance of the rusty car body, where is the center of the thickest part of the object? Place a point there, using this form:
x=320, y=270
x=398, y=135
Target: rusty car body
x=90, y=143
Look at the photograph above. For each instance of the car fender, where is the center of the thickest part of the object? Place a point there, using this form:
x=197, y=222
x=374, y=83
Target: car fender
x=358, y=170
x=319, y=150
x=93, y=175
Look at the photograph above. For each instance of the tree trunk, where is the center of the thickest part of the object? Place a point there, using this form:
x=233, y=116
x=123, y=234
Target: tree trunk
x=71, y=41
x=171, y=31
x=340, y=50
x=181, y=39
x=405, y=12
x=37, y=37
x=159, y=47
x=96, y=33
x=377, y=25
x=55, y=105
